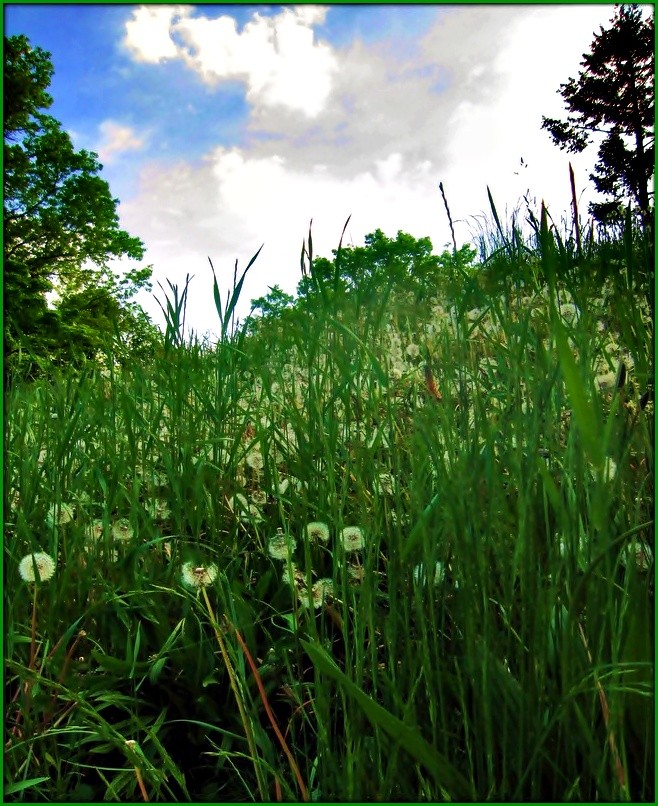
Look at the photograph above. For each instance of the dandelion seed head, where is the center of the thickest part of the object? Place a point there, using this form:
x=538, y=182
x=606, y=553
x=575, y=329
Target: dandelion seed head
x=281, y=546
x=122, y=530
x=95, y=530
x=292, y=575
x=606, y=380
x=323, y=589
x=198, y=576
x=59, y=514
x=569, y=311
x=158, y=509
x=259, y=497
x=352, y=538
x=304, y=599
x=255, y=460
x=356, y=573
x=45, y=567
x=384, y=484
x=318, y=531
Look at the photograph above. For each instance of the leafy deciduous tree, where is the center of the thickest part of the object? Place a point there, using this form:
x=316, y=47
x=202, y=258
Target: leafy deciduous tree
x=60, y=221
x=404, y=262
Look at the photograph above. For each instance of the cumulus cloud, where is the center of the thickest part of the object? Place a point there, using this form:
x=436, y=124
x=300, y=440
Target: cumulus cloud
x=117, y=139
x=462, y=107
x=276, y=57
x=506, y=91
x=148, y=36
x=231, y=203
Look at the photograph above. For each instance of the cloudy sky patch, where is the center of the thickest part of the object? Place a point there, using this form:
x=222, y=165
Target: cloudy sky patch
x=117, y=139
x=225, y=127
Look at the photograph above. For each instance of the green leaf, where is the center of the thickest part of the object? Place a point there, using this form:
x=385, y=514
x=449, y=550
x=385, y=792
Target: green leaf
x=117, y=665
x=584, y=412
x=21, y=786
x=382, y=377
x=156, y=669
x=445, y=774
x=416, y=533
x=496, y=218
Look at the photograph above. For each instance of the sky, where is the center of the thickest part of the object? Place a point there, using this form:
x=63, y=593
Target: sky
x=224, y=127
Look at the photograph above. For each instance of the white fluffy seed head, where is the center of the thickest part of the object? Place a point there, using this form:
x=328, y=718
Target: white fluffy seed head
x=318, y=531
x=198, y=576
x=352, y=538
x=35, y=565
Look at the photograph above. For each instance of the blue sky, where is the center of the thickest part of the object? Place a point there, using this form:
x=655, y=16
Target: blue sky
x=223, y=127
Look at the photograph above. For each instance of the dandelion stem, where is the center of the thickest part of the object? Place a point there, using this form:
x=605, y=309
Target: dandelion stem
x=33, y=642
x=238, y=697
x=270, y=715
x=140, y=783
x=619, y=767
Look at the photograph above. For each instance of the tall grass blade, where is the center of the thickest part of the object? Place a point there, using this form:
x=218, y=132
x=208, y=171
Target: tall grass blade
x=449, y=779
x=585, y=412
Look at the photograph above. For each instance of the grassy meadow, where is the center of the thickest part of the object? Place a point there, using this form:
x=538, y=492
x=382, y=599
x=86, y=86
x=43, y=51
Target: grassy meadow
x=394, y=550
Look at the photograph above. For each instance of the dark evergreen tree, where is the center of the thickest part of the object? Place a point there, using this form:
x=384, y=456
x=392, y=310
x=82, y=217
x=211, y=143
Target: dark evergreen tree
x=614, y=96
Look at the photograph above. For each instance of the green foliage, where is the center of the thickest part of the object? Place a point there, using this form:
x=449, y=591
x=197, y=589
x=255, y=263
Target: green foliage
x=487, y=427
x=405, y=263
x=274, y=303
x=27, y=76
x=614, y=95
x=356, y=276
x=489, y=640
x=60, y=222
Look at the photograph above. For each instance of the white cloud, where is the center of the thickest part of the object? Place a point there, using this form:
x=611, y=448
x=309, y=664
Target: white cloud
x=463, y=110
x=276, y=57
x=148, y=32
x=519, y=85
x=228, y=206
x=117, y=139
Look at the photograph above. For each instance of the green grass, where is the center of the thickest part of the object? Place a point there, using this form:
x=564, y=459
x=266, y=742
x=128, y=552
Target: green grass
x=491, y=640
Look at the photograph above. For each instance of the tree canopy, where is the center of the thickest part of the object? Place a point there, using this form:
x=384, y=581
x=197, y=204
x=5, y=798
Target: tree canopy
x=61, y=226
x=614, y=96
x=405, y=263
x=358, y=274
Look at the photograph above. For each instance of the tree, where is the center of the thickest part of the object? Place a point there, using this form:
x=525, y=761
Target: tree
x=274, y=303
x=614, y=96
x=61, y=226
x=405, y=263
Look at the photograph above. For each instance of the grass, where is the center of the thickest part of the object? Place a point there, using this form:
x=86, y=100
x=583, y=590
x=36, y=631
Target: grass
x=491, y=639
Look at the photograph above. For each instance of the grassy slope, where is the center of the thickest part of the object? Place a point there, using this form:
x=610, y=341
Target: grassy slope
x=492, y=639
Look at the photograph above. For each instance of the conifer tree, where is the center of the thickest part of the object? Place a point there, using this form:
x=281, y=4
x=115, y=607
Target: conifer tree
x=614, y=96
